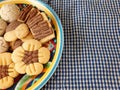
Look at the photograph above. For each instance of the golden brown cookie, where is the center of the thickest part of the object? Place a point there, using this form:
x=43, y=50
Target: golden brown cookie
x=16, y=30
x=7, y=71
x=29, y=36
x=30, y=57
x=18, y=42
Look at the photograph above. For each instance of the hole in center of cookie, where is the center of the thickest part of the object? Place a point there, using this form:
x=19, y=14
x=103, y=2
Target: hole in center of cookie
x=30, y=57
x=3, y=71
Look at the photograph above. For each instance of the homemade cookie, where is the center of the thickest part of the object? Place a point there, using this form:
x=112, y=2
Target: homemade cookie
x=29, y=57
x=18, y=42
x=9, y=12
x=24, y=12
x=3, y=26
x=38, y=23
x=3, y=45
x=29, y=36
x=41, y=28
x=7, y=71
x=16, y=30
x=15, y=44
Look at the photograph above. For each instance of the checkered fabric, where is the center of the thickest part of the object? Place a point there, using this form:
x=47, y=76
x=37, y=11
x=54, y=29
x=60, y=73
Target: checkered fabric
x=90, y=57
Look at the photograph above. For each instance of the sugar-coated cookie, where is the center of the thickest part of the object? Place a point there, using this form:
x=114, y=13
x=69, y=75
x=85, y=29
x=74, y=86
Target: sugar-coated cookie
x=9, y=12
x=3, y=45
x=16, y=30
x=3, y=26
x=7, y=71
x=30, y=57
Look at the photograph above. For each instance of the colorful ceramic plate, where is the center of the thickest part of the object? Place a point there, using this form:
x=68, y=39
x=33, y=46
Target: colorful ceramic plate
x=23, y=82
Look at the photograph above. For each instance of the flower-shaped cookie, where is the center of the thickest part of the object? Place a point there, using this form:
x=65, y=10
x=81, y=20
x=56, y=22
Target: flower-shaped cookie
x=30, y=57
x=7, y=71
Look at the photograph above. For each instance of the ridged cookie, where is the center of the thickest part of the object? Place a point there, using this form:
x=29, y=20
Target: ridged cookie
x=38, y=23
x=23, y=14
x=7, y=71
x=30, y=57
x=40, y=27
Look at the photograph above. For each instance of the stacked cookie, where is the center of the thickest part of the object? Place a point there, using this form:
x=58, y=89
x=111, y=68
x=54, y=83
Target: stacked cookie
x=22, y=33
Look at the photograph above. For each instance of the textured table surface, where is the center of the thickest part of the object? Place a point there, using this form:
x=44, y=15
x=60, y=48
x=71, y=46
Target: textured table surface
x=91, y=49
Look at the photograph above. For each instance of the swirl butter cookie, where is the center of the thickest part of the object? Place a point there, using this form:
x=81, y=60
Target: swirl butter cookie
x=9, y=12
x=3, y=45
x=7, y=71
x=16, y=30
x=30, y=57
x=3, y=26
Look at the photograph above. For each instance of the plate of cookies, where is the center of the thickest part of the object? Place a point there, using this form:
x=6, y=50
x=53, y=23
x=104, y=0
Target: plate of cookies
x=31, y=44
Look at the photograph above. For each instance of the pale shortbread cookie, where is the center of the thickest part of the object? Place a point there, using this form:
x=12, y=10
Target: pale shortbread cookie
x=30, y=57
x=7, y=71
x=9, y=12
x=3, y=45
x=21, y=31
x=3, y=26
x=29, y=36
x=31, y=45
x=42, y=52
x=16, y=30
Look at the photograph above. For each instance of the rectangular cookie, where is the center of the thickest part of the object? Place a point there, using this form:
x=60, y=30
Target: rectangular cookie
x=24, y=12
x=38, y=23
x=41, y=28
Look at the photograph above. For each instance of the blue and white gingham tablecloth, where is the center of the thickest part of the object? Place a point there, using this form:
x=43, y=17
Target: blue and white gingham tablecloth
x=91, y=58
